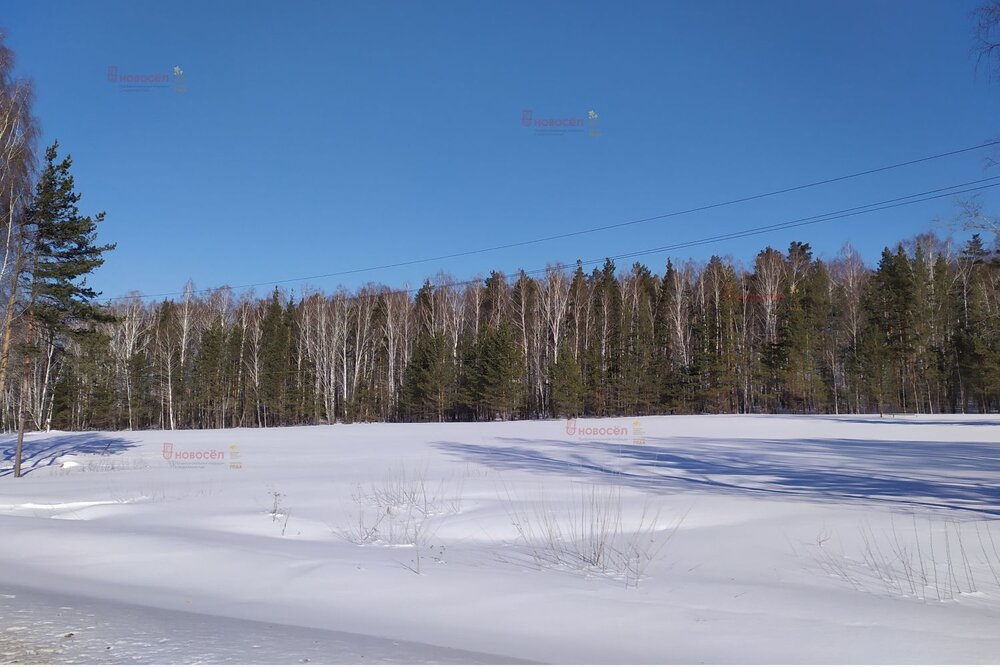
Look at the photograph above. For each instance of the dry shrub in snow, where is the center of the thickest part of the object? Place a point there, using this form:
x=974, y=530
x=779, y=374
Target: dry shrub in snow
x=591, y=533
x=925, y=559
x=397, y=511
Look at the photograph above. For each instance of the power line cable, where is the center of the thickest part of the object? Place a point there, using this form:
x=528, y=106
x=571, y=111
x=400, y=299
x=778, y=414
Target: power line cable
x=755, y=231
x=590, y=230
x=836, y=215
x=928, y=195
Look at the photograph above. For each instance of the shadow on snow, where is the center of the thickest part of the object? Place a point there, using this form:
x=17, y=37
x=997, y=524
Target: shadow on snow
x=916, y=420
x=42, y=450
x=945, y=475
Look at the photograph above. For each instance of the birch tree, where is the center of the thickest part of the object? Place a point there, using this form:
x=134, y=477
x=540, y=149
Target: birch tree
x=127, y=336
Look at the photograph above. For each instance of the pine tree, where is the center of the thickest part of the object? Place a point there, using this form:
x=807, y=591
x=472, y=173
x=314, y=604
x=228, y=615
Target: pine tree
x=63, y=252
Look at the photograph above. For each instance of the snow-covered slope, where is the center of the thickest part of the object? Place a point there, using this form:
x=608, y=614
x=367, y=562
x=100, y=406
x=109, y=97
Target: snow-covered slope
x=669, y=539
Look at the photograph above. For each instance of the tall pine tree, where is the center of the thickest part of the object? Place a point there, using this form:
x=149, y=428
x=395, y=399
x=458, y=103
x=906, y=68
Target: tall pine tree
x=63, y=251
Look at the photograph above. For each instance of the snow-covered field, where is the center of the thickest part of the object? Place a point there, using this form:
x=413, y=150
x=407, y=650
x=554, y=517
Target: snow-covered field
x=669, y=539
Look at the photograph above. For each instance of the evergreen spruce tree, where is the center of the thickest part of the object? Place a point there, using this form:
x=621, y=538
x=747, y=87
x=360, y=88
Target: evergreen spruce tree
x=672, y=375
x=500, y=373
x=715, y=356
x=209, y=377
x=886, y=344
x=821, y=385
x=603, y=377
x=972, y=344
x=804, y=315
x=567, y=385
x=638, y=385
x=83, y=396
x=920, y=316
x=429, y=379
x=276, y=335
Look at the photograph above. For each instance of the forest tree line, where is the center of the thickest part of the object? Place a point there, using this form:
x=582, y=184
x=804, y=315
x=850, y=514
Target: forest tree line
x=919, y=332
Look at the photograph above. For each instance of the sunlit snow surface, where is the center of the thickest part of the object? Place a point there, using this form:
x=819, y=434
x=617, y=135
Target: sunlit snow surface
x=70, y=629
x=667, y=539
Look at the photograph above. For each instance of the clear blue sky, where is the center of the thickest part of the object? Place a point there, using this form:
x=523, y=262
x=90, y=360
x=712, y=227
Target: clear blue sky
x=315, y=137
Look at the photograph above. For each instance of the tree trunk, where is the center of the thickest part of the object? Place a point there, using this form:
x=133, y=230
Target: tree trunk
x=8, y=320
x=25, y=382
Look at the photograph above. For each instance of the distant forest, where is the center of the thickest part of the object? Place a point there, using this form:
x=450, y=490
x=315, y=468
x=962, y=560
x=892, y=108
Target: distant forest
x=920, y=332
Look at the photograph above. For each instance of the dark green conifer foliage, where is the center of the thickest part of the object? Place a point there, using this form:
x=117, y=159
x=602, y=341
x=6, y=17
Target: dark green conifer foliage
x=499, y=373
x=429, y=380
x=62, y=252
x=567, y=385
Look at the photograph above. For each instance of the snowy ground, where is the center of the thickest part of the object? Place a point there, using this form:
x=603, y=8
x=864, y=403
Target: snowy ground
x=670, y=539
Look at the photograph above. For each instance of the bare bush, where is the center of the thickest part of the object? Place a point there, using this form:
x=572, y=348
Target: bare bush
x=115, y=463
x=929, y=560
x=156, y=490
x=397, y=511
x=99, y=463
x=589, y=534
